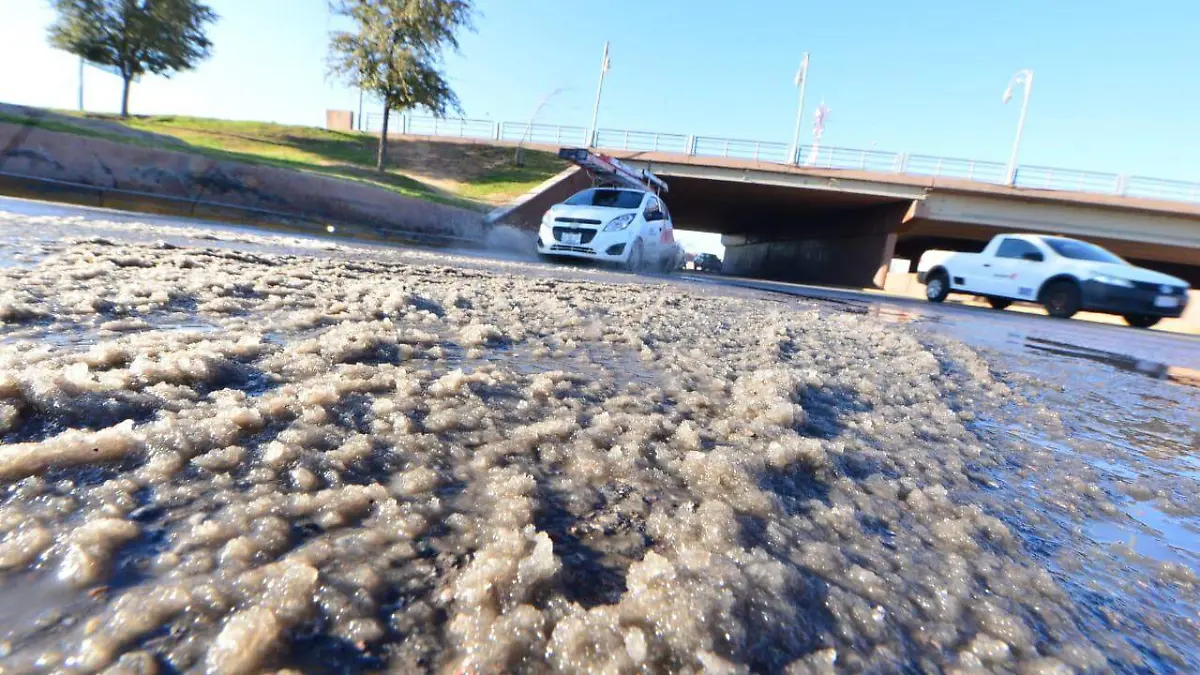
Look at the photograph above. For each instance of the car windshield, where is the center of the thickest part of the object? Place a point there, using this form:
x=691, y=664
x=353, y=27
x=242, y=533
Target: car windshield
x=1081, y=250
x=613, y=199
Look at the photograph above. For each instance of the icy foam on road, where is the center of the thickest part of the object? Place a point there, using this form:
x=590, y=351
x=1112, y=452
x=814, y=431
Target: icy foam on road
x=373, y=466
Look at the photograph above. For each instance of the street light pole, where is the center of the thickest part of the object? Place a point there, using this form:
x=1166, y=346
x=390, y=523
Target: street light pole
x=361, y=126
x=519, y=155
x=593, y=132
x=1024, y=77
x=801, y=81
x=81, y=84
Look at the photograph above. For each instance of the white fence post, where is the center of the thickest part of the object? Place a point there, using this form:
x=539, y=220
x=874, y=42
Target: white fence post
x=691, y=145
x=1122, y=184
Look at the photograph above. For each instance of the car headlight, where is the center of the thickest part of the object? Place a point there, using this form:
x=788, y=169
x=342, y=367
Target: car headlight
x=620, y=222
x=1112, y=281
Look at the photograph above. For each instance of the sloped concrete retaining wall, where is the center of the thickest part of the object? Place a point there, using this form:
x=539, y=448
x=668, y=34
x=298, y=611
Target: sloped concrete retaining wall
x=108, y=165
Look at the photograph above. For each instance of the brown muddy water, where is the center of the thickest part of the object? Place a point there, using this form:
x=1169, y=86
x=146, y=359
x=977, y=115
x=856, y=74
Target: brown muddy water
x=229, y=452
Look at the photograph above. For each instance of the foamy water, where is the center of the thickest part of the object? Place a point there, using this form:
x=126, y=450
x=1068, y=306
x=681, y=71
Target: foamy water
x=244, y=454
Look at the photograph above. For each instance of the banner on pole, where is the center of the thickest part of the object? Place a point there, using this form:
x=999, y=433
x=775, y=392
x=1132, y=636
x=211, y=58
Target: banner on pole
x=803, y=71
x=818, y=129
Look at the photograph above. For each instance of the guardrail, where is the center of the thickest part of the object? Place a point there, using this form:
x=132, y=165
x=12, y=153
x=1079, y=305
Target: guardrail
x=1031, y=177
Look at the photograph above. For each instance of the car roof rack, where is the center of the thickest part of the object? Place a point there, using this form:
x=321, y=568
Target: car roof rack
x=610, y=171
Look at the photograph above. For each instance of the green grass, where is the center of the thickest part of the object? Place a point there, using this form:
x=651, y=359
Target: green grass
x=474, y=176
x=506, y=182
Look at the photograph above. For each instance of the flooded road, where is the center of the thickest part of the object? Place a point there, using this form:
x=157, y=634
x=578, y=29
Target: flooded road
x=1128, y=401
x=229, y=451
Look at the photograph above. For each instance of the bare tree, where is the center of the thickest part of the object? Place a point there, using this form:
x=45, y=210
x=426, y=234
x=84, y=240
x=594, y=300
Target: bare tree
x=134, y=37
x=395, y=53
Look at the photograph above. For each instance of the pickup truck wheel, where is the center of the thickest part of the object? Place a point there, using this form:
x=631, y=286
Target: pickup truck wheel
x=999, y=303
x=1141, y=320
x=937, y=287
x=1062, y=299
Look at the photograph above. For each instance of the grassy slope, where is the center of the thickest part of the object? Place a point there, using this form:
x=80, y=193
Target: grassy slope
x=470, y=175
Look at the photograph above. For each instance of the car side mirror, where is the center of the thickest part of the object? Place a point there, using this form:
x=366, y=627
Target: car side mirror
x=1033, y=257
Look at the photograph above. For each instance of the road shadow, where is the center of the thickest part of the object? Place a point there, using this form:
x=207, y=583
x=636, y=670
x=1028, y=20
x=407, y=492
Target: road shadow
x=826, y=407
x=585, y=576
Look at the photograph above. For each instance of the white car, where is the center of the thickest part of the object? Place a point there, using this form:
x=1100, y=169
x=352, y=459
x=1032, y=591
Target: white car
x=631, y=228
x=1064, y=275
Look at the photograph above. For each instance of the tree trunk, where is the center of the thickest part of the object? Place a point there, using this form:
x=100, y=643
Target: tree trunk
x=380, y=163
x=125, y=96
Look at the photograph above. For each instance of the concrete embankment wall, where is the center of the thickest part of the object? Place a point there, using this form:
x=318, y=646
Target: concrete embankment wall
x=526, y=211
x=99, y=172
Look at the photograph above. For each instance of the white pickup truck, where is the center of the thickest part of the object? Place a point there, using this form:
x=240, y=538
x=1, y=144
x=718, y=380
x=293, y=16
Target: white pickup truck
x=1064, y=275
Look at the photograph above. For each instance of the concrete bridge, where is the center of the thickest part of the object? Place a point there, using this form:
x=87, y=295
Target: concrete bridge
x=843, y=226
x=837, y=226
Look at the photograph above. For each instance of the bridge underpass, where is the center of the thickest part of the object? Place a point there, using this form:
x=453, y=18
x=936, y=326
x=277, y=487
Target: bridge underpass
x=844, y=227
x=783, y=232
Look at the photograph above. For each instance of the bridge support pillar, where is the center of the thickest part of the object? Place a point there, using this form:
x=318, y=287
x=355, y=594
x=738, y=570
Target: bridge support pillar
x=847, y=249
x=842, y=261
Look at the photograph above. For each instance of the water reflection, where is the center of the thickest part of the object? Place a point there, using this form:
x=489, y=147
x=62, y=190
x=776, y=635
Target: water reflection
x=1188, y=376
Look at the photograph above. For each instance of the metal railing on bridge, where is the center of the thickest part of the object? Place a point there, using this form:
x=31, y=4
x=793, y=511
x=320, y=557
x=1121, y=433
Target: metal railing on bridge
x=1033, y=177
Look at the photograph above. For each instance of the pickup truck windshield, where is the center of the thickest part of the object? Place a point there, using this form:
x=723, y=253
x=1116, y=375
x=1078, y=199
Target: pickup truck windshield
x=1079, y=250
x=614, y=199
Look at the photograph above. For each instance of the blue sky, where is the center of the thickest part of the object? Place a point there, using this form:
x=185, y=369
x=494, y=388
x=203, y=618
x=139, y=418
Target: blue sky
x=1115, y=81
